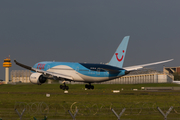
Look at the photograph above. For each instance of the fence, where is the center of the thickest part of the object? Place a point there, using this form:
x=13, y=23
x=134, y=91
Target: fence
x=139, y=110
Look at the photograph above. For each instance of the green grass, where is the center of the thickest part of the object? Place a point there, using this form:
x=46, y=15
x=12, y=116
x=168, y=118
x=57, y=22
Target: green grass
x=92, y=104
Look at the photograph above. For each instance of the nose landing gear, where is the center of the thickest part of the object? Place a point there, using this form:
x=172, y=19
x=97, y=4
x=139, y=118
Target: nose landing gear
x=64, y=87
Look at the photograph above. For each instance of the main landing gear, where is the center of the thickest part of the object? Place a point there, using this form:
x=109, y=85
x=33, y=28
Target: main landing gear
x=89, y=86
x=64, y=87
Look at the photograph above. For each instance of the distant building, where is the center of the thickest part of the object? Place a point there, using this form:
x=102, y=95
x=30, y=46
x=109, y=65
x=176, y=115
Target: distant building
x=171, y=70
x=143, y=76
x=22, y=76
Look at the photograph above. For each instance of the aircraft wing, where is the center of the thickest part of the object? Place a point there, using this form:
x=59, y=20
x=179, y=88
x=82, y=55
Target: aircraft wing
x=58, y=75
x=136, y=67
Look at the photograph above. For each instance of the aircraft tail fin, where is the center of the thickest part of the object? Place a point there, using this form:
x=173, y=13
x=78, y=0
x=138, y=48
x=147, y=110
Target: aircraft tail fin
x=119, y=56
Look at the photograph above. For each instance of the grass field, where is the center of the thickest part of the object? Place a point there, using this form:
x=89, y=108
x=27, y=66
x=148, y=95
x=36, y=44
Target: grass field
x=92, y=104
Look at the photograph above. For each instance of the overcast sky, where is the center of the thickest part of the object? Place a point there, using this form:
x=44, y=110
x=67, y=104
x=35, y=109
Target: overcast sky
x=89, y=31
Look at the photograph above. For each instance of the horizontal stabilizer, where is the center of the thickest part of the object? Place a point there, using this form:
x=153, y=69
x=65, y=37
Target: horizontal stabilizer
x=111, y=70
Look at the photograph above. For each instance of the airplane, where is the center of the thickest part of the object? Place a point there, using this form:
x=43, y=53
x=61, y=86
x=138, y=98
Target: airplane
x=84, y=72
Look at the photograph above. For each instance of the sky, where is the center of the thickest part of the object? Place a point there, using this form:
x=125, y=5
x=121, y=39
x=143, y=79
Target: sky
x=89, y=31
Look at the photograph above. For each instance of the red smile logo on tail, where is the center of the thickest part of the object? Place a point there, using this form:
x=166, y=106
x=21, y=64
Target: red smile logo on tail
x=121, y=57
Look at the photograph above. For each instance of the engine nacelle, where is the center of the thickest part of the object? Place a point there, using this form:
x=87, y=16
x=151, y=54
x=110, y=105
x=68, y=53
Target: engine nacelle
x=37, y=78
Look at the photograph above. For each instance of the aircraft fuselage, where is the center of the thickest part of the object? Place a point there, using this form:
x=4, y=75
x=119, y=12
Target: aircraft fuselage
x=82, y=72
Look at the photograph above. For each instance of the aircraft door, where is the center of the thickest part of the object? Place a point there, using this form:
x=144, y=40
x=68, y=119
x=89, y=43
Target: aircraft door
x=77, y=69
x=98, y=71
x=48, y=67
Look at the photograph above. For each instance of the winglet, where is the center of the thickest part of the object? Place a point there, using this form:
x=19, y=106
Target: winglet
x=22, y=65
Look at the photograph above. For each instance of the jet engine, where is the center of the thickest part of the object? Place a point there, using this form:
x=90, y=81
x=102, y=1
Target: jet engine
x=37, y=78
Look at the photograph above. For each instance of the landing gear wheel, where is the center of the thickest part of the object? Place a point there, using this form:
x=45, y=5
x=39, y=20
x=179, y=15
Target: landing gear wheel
x=67, y=88
x=89, y=86
x=61, y=86
x=64, y=87
x=92, y=87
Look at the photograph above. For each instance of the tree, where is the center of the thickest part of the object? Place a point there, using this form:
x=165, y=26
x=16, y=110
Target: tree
x=176, y=76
